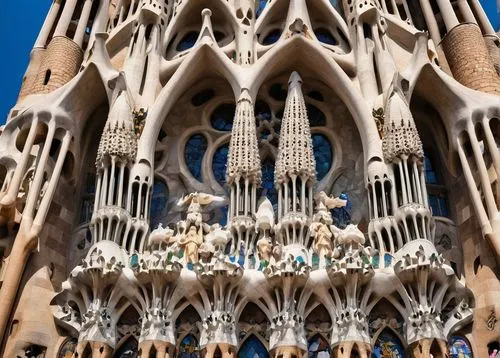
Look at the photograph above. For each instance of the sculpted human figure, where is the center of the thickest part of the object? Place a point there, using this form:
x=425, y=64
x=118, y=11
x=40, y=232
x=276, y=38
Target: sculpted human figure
x=190, y=241
x=323, y=240
x=265, y=248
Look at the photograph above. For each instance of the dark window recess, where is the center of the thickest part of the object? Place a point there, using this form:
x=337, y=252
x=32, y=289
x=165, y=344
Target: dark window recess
x=272, y=37
x=47, y=77
x=202, y=97
x=325, y=36
x=187, y=41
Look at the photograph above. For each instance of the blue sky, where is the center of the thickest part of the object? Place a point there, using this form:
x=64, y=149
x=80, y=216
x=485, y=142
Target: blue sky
x=20, y=28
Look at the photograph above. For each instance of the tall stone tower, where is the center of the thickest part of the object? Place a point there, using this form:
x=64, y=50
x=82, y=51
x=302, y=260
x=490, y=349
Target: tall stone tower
x=241, y=178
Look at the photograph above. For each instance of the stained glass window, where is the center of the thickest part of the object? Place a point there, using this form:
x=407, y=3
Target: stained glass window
x=316, y=117
x=430, y=173
x=253, y=348
x=318, y=347
x=187, y=41
x=388, y=345
x=268, y=188
x=129, y=349
x=262, y=112
x=437, y=198
x=323, y=153
x=259, y=7
x=159, y=203
x=459, y=347
x=219, y=164
x=68, y=348
x=222, y=118
x=325, y=36
x=194, y=152
x=188, y=347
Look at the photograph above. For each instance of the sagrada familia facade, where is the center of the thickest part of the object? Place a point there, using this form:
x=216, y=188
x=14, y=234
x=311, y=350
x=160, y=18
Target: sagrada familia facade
x=253, y=179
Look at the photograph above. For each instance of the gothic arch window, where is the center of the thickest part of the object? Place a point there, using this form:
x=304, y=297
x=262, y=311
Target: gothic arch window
x=188, y=347
x=388, y=345
x=318, y=347
x=460, y=347
x=252, y=347
x=159, y=201
x=437, y=193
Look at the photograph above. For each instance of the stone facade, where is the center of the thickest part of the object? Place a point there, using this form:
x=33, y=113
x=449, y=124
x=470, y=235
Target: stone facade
x=240, y=178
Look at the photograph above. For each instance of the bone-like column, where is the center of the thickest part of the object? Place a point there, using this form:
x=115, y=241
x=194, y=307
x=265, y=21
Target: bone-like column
x=432, y=24
x=65, y=20
x=83, y=22
x=41, y=40
x=466, y=11
x=448, y=14
x=482, y=18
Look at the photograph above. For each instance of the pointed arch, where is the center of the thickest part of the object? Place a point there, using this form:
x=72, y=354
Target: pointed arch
x=193, y=67
x=292, y=55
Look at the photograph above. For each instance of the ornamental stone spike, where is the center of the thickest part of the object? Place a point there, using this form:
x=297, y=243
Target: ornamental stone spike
x=118, y=138
x=401, y=137
x=295, y=152
x=244, y=159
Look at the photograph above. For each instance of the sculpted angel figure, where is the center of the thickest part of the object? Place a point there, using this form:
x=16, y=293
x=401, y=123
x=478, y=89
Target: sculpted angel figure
x=320, y=230
x=195, y=203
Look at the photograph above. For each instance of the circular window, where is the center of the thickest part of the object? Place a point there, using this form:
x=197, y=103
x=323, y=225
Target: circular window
x=195, y=149
x=222, y=118
x=219, y=164
x=323, y=154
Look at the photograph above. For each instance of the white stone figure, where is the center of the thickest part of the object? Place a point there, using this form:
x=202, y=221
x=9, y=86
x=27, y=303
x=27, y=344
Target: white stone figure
x=330, y=202
x=161, y=236
x=195, y=203
x=323, y=240
x=265, y=248
x=218, y=237
x=190, y=243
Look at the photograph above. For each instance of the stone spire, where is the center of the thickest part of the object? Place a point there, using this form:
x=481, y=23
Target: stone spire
x=243, y=172
x=244, y=159
x=118, y=138
x=295, y=153
x=400, y=133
